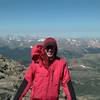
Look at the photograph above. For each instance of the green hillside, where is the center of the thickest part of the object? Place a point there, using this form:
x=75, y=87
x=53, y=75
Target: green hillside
x=90, y=60
x=87, y=82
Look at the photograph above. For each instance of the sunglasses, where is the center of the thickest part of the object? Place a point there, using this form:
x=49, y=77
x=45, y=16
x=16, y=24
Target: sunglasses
x=50, y=47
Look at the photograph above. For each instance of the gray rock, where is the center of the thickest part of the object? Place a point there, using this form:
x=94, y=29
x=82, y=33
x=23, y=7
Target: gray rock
x=11, y=75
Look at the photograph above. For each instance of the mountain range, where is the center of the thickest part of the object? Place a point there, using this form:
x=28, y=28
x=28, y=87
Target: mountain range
x=83, y=57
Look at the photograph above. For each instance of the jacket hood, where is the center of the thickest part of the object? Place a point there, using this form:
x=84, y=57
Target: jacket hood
x=36, y=52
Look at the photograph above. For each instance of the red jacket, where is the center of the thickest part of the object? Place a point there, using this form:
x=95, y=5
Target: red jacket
x=45, y=81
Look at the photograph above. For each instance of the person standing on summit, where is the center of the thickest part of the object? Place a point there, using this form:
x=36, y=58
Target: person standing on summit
x=45, y=74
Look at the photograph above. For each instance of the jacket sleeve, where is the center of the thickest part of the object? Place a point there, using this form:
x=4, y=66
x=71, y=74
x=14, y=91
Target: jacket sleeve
x=26, y=83
x=67, y=84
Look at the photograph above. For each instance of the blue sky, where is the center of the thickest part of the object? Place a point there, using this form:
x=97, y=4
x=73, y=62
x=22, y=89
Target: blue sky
x=73, y=18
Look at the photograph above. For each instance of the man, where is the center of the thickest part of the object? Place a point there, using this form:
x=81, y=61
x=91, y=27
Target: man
x=45, y=74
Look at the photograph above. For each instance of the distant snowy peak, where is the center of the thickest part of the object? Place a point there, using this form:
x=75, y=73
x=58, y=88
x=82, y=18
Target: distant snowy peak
x=41, y=40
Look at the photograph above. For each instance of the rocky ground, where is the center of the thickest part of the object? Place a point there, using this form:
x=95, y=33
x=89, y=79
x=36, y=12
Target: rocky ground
x=11, y=74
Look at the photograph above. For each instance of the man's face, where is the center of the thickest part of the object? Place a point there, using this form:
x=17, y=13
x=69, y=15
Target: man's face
x=50, y=50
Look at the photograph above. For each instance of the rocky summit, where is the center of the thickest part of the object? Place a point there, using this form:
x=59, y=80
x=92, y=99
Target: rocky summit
x=11, y=74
